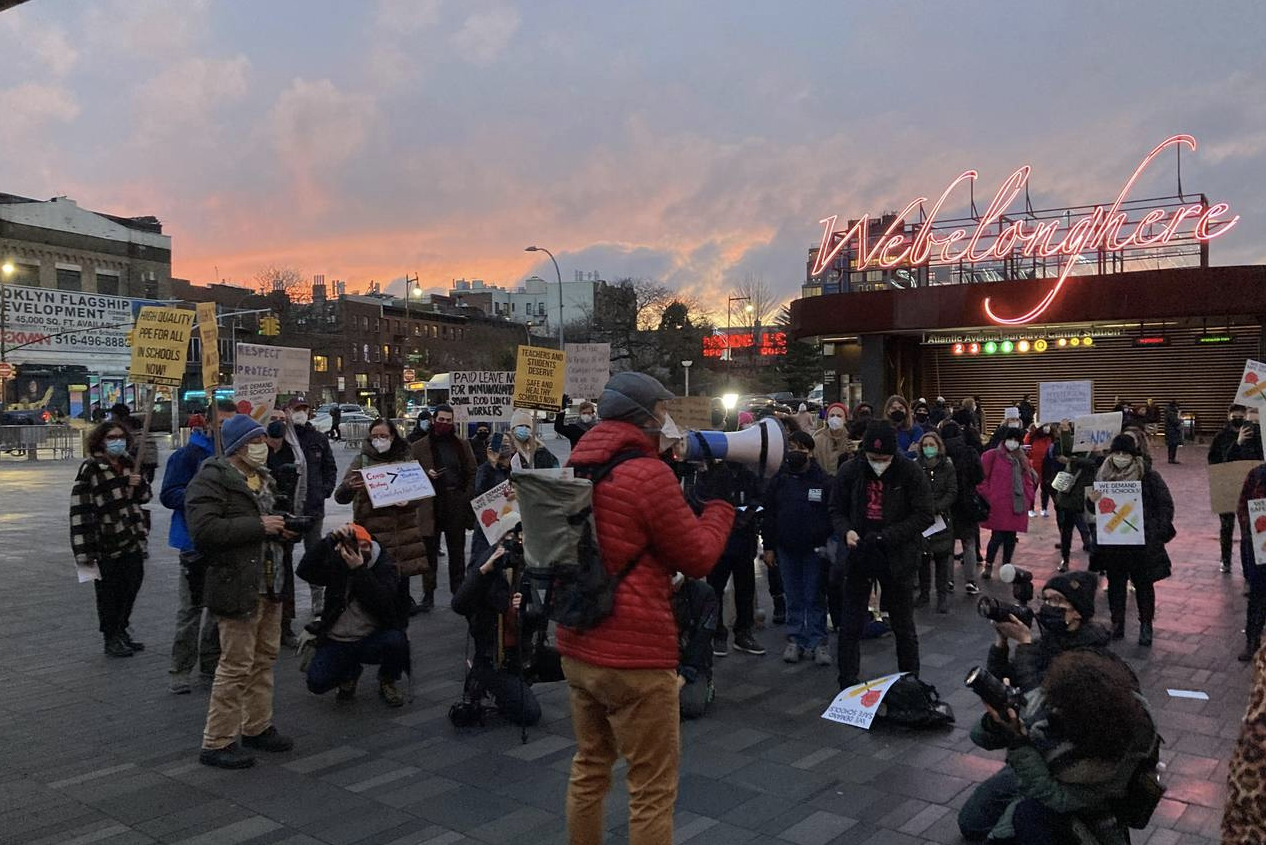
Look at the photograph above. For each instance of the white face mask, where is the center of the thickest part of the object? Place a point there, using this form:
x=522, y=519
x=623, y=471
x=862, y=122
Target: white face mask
x=835, y=423
x=586, y=418
x=256, y=454
x=1012, y=445
x=381, y=444
x=879, y=466
x=299, y=418
x=669, y=434
x=1122, y=461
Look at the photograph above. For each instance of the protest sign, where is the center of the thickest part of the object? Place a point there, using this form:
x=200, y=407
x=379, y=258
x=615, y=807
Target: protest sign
x=1225, y=483
x=289, y=366
x=1119, y=513
x=1257, y=526
x=538, y=378
x=483, y=395
x=858, y=704
x=1252, y=389
x=261, y=394
x=1063, y=400
x=160, y=343
x=209, y=335
x=491, y=506
x=394, y=484
x=691, y=413
x=588, y=369
x=1094, y=432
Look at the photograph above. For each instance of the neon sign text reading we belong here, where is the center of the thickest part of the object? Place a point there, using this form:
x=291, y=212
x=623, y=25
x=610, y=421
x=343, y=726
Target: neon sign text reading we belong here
x=1101, y=228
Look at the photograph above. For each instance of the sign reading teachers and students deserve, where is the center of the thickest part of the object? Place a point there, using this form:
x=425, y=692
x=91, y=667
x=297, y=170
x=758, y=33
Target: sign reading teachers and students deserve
x=538, y=378
x=482, y=395
x=1063, y=400
x=160, y=342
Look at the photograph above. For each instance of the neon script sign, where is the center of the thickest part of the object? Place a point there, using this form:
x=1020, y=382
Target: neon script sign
x=991, y=240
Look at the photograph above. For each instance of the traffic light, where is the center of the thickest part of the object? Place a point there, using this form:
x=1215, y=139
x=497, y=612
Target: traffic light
x=269, y=325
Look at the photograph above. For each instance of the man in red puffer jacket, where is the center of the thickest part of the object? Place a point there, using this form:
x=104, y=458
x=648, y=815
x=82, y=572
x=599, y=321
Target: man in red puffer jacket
x=623, y=673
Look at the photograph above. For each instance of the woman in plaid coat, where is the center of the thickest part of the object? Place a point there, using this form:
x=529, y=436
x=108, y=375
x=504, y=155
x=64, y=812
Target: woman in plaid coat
x=109, y=529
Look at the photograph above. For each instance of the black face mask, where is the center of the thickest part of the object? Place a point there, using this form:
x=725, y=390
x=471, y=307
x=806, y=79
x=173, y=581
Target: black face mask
x=797, y=460
x=898, y=416
x=481, y=434
x=921, y=418
x=1052, y=620
x=1237, y=422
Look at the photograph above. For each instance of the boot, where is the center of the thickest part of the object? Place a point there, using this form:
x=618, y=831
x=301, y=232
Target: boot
x=780, y=610
x=923, y=599
x=1250, y=649
x=1118, y=629
x=1145, y=633
x=116, y=647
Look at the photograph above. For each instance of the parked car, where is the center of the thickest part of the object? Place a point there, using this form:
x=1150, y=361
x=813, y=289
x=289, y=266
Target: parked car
x=345, y=407
x=754, y=401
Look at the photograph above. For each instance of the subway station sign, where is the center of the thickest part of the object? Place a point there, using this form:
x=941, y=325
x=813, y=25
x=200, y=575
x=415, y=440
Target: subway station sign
x=999, y=236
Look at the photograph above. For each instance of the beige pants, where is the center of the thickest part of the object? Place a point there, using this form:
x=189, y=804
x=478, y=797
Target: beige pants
x=242, y=695
x=629, y=712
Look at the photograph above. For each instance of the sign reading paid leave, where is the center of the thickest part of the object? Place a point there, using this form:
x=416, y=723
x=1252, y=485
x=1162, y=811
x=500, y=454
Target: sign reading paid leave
x=1257, y=527
x=538, y=378
x=160, y=343
x=482, y=395
x=395, y=484
x=1094, y=432
x=1119, y=513
x=209, y=334
x=289, y=366
x=1252, y=389
x=858, y=705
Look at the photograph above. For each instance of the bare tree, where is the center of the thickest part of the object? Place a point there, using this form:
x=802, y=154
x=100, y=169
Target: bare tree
x=289, y=280
x=759, y=296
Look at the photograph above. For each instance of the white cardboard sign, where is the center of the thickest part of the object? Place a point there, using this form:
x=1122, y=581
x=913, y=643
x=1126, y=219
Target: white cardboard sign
x=1063, y=400
x=1252, y=389
x=491, y=506
x=1119, y=513
x=289, y=366
x=1094, y=432
x=588, y=370
x=394, y=484
x=261, y=393
x=484, y=395
x=1257, y=527
x=857, y=705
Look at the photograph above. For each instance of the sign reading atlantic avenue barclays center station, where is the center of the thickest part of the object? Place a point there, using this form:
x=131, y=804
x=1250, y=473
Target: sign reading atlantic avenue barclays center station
x=1000, y=234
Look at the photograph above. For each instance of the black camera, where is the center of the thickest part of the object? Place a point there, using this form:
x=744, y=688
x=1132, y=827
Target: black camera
x=298, y=524
x=1021, y=581
x=466, y=714
x=994, y=692
x=995, y=611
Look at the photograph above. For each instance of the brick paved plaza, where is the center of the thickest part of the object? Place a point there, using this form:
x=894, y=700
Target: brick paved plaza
x=96, y=750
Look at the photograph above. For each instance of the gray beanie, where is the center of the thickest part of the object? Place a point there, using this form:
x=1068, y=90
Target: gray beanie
x=630, y=397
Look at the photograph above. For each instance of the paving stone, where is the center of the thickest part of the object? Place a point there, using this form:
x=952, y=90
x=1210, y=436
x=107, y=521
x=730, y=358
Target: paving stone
x=818, y=829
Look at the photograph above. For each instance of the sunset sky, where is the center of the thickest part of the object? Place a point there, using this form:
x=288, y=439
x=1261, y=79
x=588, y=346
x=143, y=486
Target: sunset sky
x=693, y=142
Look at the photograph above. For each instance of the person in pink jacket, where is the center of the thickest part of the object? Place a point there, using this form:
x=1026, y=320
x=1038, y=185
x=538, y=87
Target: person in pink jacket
x=1009, y=485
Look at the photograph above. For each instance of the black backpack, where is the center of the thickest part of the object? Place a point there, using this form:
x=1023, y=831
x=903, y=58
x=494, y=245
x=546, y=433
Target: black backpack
x=911, y=703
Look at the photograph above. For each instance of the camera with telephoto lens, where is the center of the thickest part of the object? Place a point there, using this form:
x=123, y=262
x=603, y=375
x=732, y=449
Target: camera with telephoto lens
x=1001, y=697
x=1021, y=581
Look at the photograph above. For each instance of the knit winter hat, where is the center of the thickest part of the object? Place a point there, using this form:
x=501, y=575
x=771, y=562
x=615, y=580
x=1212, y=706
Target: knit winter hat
x=631, y=397
x=802, y=439
x=521, y=416
x=1125, y=443
x=834, y=405
x=238, y=430
x=1079, y=588
x=880, y=438
x=949, y=429
x=745, y=418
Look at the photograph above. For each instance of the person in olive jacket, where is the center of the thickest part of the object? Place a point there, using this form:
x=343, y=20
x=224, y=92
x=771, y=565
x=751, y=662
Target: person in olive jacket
x=943, y=478
x=881, y=503
x=229, y=509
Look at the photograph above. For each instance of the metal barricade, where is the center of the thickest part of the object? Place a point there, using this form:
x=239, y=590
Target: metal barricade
x=32, y=442
x=353, y=434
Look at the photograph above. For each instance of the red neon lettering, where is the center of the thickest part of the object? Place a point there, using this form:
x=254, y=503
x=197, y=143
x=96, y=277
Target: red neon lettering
x=1101, y=228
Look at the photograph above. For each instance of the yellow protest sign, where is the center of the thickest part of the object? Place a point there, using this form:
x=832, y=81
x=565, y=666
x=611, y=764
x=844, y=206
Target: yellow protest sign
x=538, y=378
x=160, y=345
x=209, y=333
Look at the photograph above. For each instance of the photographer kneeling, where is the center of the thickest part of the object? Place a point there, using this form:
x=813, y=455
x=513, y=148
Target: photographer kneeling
x=365, y=618
x=503, y=622
x=1081, y=755
x=696, y=609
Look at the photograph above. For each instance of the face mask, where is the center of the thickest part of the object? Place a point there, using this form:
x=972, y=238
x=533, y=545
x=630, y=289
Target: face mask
x=443, y=429
x=299, y=418
x=1237, y=422
x=898, y=416
x=835, y=423
x=586, y=418
x=522, y=433
x=921, y=418
x=878, y=466
x=669, y=434
x=256, y=454
x=1122, y=461
x=1012, y=445
x=797, y=460
x=116, y=448
x=425, y=425
x=381, y=444
x=931, y=451
x=1052, y=620
x=865, y=414
x=483, y=434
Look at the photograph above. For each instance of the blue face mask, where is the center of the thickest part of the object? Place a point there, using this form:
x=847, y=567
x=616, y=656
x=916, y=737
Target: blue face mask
x=116, y=448
x=522, y=433
x=424, y=425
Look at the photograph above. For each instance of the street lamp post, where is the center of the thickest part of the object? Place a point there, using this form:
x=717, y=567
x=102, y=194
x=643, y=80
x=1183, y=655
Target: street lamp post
x=685, y=365
x=560, y=288
x=412, y=288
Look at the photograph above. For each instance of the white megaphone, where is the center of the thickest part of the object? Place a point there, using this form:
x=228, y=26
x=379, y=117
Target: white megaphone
x=761, y=447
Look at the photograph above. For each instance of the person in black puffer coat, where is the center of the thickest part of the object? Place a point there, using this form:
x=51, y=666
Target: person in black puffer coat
x=966, y=460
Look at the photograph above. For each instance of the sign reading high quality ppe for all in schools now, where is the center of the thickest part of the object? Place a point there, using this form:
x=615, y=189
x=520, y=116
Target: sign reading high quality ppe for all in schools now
x=289, y=366
x=538, y=378
x=160, y=343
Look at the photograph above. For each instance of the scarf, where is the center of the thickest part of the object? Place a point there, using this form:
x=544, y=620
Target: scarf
x=300, y=503
x=1018, y=470
x=1110, y=472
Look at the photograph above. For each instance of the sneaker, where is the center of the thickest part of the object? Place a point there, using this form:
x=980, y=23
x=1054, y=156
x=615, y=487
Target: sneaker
x=822, y=656
x=1226, y=567
x=116, y=647
x=228, y=757
x=1045, y=513
x=389, y=693
x=942, y=603
x=744, y=642
x=987, y=574
x=346, y=691
x=1033, y=513
x=269, y=740
x=131, y=643
x=971, y=589
x=949, y=585
x=720, y=646
x=792, y=653
x=180, y=685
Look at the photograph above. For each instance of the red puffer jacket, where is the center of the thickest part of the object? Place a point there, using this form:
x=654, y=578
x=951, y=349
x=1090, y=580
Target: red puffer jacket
x=640, y=512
